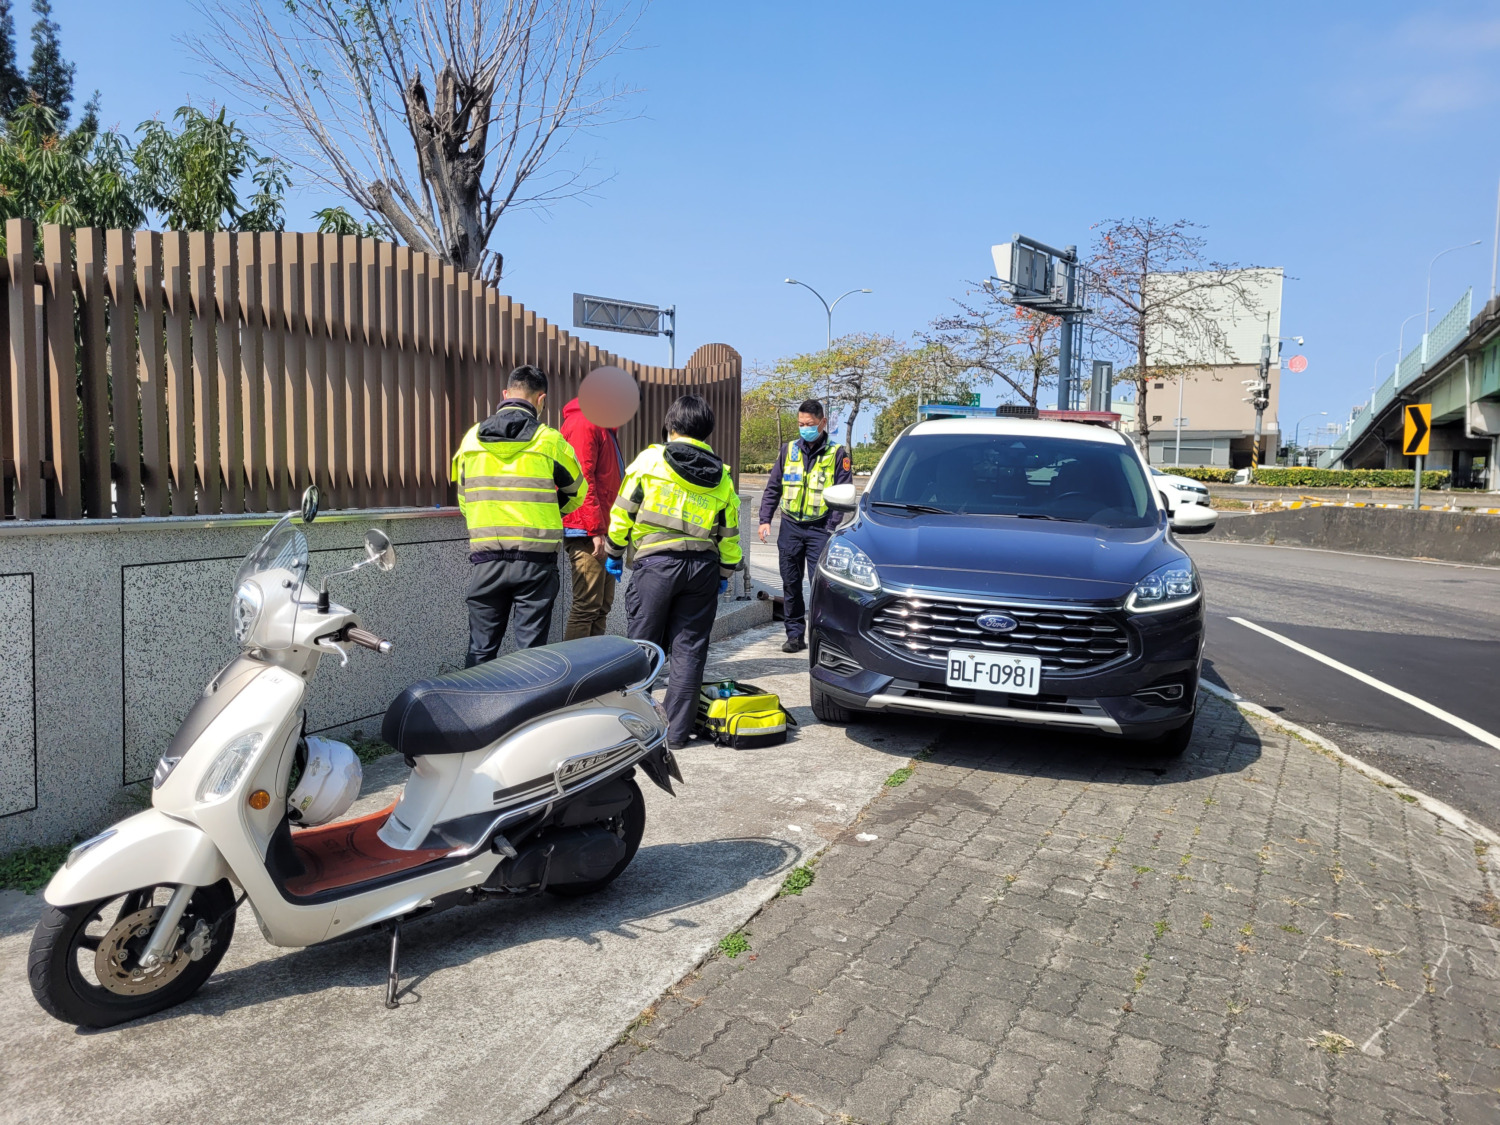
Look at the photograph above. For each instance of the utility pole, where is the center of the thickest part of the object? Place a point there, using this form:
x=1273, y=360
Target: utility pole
x=1069, y=266
x=1260, y=396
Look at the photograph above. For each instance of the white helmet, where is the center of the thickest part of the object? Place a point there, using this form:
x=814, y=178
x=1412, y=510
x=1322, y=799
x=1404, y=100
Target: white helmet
x=330, y=782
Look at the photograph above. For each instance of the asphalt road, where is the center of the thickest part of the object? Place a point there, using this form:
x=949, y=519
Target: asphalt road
x=1431, y=630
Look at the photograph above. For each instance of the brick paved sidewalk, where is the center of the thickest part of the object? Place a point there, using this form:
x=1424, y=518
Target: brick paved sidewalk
x=1048, y=930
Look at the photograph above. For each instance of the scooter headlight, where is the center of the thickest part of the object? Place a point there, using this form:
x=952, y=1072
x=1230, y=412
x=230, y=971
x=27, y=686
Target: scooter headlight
x=229, y=767
x=244, y=610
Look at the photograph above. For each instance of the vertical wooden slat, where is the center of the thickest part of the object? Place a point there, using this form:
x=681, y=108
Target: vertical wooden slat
x=424, y=479
x=354, y=368
x=230, y=393
x=295, y=357
x=458, y=424
x=374, y=388
x=25, y=369
x=495, y=371
x=390, y=447
x=317, y=369
x=62, y=376
x=273, y=351
x=252, y=372
x=205, y=371
x=7, y=409
x=125, y=402
x=179, y=375
x=484, y=405
x=464, y=367
x=406, y=407
x=437, y=382
x=549, y=365
x=156, y=458
x=93, y=373
x=336, y=352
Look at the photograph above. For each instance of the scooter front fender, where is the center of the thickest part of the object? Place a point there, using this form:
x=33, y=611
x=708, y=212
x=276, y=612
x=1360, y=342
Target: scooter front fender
x=144, y=850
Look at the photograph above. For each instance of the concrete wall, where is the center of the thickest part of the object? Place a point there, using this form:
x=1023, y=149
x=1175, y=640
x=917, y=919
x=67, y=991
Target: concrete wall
x=109, y=630
x=1450, y=536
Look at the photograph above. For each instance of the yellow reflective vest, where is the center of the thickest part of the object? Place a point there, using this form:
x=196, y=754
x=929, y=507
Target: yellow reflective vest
x=659, y=510
x=514, y=493
x=802, y=484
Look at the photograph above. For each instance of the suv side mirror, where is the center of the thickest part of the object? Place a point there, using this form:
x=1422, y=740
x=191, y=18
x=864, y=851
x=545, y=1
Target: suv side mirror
x=840, y=497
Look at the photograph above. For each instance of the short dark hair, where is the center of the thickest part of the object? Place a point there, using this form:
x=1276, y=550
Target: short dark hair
x=811, y=406
x=533, y=380
x=691, y=417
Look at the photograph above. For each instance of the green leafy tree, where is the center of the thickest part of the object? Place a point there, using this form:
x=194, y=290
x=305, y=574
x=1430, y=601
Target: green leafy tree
x=768, y=413
x=849, y=377
x=338, y=220
x=990, y=341
x=51, y=76
x=189, y=177
x=79, y=178
x=926, y=374
x=12, y=84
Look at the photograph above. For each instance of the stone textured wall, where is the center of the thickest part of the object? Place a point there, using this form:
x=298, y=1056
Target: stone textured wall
x=109, y=631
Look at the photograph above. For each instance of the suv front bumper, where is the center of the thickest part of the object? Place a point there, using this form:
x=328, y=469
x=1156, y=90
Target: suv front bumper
x=1127, y=697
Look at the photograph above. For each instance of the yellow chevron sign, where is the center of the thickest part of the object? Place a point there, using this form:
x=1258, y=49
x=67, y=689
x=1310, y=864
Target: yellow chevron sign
x=1417, y=433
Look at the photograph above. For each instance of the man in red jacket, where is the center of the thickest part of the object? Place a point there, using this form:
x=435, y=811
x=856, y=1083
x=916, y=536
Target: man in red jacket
x=603, y=467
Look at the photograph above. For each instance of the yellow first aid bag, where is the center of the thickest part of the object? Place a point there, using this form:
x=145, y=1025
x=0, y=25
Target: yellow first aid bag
x=741, y=715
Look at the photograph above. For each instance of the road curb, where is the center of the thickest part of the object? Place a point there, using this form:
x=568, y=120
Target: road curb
x=1440, y=809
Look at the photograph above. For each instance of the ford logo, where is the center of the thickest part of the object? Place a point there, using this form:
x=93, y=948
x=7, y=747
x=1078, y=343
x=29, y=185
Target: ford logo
x=996, y=623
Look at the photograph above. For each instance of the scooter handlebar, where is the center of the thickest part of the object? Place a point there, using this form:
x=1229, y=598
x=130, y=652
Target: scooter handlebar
x=365, y=639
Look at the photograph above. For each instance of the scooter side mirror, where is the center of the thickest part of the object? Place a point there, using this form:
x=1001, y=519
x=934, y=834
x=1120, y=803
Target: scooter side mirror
x=310, y=500
x=381, y=550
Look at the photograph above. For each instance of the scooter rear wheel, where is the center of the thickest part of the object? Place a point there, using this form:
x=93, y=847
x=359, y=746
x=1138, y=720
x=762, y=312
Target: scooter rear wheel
x=634, y=818
x=82, y=964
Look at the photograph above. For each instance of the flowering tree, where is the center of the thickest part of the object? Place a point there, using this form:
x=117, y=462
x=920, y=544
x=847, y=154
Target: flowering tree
x=990, y=340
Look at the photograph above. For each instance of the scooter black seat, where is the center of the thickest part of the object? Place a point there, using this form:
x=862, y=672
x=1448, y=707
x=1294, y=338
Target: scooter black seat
x=468, y=710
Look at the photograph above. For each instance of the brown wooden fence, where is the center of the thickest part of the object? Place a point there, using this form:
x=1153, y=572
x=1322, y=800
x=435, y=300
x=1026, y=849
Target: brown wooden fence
x=191, y=373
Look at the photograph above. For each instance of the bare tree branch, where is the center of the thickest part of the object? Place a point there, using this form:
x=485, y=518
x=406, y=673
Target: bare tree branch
x=435, y=117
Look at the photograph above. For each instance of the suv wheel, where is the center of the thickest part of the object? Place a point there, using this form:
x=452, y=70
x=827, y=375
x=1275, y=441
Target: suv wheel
x=826, y=708
x=1174, y=743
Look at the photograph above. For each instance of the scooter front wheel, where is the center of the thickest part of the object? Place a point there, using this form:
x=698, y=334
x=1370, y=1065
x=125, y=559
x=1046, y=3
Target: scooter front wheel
x=632, y=826
x=84, y=961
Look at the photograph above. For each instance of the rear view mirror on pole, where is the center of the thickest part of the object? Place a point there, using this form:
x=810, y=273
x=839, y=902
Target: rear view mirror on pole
x=840, y=497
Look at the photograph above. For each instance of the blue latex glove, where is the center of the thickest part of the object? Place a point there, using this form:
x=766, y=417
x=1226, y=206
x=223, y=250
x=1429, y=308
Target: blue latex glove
x=615, y=568
x=723, y=586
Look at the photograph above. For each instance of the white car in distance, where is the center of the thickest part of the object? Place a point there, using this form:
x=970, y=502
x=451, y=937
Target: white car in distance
x=1187, y=500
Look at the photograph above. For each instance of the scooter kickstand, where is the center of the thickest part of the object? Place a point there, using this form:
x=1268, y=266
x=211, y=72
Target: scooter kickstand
x=394, y=979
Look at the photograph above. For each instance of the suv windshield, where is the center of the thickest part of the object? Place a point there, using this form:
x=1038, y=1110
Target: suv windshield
x=1036, y=477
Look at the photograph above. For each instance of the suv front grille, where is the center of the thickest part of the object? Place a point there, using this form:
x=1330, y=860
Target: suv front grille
x=1076, y=639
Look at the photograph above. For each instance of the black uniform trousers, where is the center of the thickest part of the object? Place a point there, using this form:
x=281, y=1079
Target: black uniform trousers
x=500, y=589
x=799, y=546
x=671, y=601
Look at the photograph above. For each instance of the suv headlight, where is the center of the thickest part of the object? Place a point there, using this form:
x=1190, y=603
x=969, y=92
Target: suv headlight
x=244, y=610
x=1167, y=587
x=849, y=565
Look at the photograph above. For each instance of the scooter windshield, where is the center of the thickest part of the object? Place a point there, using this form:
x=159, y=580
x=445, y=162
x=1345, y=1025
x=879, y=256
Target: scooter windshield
x=268, y=589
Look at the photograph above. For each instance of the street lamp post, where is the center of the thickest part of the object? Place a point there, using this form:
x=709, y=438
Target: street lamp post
x=826, y=306
x=1400, y=344
x=1297, y=431
x=1375, y=376
x=1435, y=257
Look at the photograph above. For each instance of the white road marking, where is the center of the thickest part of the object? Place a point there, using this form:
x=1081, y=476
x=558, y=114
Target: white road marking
x=1475, y=732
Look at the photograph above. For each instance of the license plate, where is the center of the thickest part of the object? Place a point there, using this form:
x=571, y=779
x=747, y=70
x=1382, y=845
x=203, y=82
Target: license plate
x=991, y=671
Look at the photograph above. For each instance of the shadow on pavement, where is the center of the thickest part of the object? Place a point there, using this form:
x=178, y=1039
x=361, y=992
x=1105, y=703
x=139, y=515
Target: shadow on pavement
x=663, y=882
x=1223, y=742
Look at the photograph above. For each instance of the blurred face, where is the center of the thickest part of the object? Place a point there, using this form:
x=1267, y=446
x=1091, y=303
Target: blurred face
x=609, y=397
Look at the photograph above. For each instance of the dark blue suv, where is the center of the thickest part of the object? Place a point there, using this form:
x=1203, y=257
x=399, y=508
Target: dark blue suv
x=1015, y=570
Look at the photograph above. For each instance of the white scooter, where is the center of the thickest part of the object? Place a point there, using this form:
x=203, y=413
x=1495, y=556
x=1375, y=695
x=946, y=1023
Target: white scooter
x=521, y=782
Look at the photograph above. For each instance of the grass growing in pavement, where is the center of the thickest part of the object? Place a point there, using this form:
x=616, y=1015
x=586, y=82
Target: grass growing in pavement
x=797, y=880
x=898, y=777
x=732, y=945
x=28, y=869
x=1330, y=1041
x=368, y=750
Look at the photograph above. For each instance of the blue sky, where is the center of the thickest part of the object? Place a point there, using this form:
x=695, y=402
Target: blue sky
x=889, y=145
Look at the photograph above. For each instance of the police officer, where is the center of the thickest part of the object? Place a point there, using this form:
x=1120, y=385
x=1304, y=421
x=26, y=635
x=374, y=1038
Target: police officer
x=516, y=480
x=679, y=517
x=806, y=467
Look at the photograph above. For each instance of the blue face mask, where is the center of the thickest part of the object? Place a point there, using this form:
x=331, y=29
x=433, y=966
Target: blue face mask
x=809, y=433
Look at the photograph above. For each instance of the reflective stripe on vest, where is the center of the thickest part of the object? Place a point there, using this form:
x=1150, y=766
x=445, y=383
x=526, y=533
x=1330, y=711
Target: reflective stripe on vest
x=665, y=516
x=802, y=485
